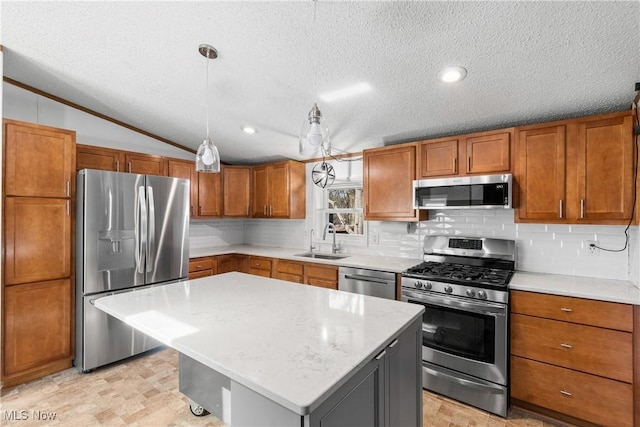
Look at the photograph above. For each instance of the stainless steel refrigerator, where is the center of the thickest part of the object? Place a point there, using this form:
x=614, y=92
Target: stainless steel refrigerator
x=132, y=231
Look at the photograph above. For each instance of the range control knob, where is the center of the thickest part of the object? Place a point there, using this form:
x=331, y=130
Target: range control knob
x=471, y=293
x=482, y=295
x=428, y=285
x=448, y=289
x=418, y=284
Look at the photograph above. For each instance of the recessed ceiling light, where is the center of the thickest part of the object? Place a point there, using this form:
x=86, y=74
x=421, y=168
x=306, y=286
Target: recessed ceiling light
x=452, y=74
x=249, y=129
x=346, y=92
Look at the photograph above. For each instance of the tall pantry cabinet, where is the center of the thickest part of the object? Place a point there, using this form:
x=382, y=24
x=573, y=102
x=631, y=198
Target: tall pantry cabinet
x=37, y=291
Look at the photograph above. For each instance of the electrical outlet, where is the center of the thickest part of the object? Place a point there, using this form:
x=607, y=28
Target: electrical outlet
x=375, y=237
x=592, y=247
x=306, y=233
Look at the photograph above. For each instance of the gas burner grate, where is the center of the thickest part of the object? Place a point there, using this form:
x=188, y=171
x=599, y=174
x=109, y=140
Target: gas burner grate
x=460, y=273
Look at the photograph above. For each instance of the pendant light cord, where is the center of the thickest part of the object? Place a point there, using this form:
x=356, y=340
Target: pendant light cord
x=207, y=98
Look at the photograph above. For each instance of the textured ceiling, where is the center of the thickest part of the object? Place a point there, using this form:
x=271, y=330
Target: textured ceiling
x=138, y=62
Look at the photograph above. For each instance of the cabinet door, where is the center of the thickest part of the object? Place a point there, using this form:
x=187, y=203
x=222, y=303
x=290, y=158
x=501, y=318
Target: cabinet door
x=388, y=184
x=260, y=197
x=146, y=164
x=279, y=191
x=488, y=153
x=325, y=276
x=37, y=325
x=209, y=194
x=105, y=159
x=226, y=263
x=360, y=402
x=540, y=173
x=39, y=160
x=236, y=191
x=187, y=170
x=605, y=161
x=438, y=158
x=37, y=239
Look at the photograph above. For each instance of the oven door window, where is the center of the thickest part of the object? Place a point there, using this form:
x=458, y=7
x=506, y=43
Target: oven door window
x=462, y=333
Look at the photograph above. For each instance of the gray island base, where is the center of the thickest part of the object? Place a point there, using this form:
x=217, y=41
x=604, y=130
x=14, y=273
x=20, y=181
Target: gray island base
x=263, y=352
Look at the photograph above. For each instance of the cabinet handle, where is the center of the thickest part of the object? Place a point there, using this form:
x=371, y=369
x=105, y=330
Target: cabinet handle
x=454, y=164
x=68, y=188
x=264, y=210
x=566, y=345
x=117, y=165
x=381, y=355
x=566, y=309
x=566, y=393
x=393, y=344
x=68, y=207
x=581, y=208
x=469, y=164
x=560, y=208
x=191, y=210
x=129, y=166
x=199, y=210
x=270, y=210
x=247, y=210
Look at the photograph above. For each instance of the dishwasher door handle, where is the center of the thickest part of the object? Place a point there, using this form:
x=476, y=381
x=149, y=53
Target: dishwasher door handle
x=368, y=279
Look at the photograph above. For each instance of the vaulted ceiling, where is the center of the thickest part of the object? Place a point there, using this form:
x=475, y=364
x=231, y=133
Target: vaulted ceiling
x=138, y=62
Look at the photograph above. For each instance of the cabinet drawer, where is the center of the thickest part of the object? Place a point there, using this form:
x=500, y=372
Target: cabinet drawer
x=325, y=272
x=296, y=278
x=260, y=263
x=290, y=267
x=599, y=351
x=588, y=397
x=200, y=273
x=199, y=264
x=576, y=310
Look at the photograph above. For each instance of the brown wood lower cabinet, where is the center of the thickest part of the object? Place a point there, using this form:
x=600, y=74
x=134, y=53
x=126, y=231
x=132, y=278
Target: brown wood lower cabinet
x=202, y=267
x=37, y=330
x=290, y=271
x=325, y=276
x=573, y=358
x=260, y=266
x=226, y=263
x=583, y=396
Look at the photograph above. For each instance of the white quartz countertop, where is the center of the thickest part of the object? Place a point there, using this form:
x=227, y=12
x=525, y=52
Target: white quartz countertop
x=373, y=262
x=575, y=286
x=294, y=344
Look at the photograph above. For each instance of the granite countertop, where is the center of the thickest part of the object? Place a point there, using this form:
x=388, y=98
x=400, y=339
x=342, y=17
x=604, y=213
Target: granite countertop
x=296, y=345
x=574, y=286
x=373, y=262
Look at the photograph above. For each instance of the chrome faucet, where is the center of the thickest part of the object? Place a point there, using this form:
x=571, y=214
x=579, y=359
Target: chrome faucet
x=334, y=248
x=311, y=247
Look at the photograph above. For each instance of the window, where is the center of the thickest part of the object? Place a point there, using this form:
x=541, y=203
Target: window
x=343, y=209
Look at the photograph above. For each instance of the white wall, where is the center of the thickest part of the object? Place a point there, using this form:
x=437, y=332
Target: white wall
x=21, y=104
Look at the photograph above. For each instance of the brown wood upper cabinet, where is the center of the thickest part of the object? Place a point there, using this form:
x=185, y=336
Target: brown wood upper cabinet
x=187, y=170
x=39, y=161
x=145, y=164
x=472, y=154
x=576, y=171
x=388, y=184
x=236, y=181
x=209, y=195
x=106, y=159
x=279, y=190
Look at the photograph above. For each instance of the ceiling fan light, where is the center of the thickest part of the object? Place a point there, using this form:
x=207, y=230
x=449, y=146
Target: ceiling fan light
x=314, y=134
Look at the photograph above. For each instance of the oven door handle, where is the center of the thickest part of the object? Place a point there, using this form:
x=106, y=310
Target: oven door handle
x=485, y=307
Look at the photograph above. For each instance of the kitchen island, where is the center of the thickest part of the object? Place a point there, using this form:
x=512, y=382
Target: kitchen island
x=259, y=351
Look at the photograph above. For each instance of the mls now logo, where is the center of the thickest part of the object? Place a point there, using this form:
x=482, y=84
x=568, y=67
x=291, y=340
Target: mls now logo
x=15, y=415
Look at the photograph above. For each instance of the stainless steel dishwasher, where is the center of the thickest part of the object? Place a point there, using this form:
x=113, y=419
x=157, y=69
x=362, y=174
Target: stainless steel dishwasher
x=367, y=282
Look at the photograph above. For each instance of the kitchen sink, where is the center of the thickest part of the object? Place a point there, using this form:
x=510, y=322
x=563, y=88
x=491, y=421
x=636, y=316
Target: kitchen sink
x=321, y=256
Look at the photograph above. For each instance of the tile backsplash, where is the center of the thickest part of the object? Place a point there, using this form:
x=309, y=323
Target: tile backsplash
x=545, y=248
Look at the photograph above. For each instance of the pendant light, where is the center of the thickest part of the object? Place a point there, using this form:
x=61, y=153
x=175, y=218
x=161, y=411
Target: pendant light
x=207, y=156
x=314, y=135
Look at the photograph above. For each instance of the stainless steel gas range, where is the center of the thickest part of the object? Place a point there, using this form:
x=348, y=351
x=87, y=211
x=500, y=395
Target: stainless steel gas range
x=463, y=285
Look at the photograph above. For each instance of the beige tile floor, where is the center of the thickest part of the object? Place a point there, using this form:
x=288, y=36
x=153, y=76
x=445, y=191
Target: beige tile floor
x=144, y=392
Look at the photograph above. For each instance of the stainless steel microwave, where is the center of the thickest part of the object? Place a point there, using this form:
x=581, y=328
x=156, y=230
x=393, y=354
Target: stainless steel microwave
x=468, y=192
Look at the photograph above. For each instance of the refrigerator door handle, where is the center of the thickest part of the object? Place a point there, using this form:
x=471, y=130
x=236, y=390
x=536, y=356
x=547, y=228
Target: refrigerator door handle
x=141, y=229
x=151, y=246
